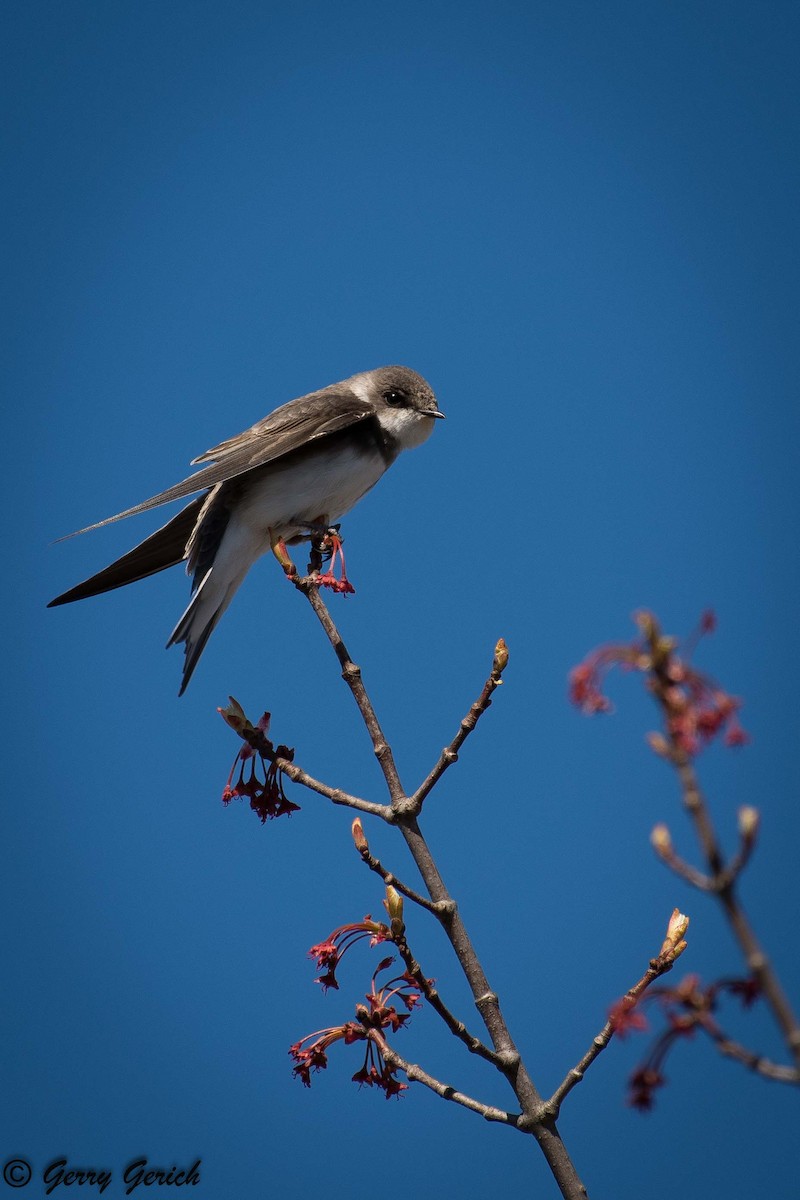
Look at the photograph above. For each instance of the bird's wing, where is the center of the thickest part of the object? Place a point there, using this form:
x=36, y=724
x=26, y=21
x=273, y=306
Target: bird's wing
x=289, y=427
x=164, y=548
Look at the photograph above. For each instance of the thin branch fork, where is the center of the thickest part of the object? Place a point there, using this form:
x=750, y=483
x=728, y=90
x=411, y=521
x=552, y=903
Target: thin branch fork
x=456, y=1027
x=391, y=879
x=535, y=1119
x=417, y=1075
x=258, y=741
x=723, y=879
x=662, y=844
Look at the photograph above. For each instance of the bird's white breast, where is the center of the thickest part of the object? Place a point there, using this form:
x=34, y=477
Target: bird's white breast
x=326, y=482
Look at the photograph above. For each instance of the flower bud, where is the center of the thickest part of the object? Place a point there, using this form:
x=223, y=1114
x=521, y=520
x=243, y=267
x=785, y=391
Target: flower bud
x=394, y=904
x=648, y=625
x=658, y=744
x=500, y=657
x=362, y=845
x=234, y=715
x=661, y=840
x=674, y=945
x=749, y=819
x=678, y=924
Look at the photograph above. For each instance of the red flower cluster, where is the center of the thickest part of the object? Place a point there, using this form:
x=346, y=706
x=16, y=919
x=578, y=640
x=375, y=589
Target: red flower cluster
x=314, y=1057
x=330, y=952
x=333, y=543
x=310, y=1053
x=643, y=1083
x=267, y=796
x=695, y=708
x=403, y=987
x=626, y=1017
x=687, y=1007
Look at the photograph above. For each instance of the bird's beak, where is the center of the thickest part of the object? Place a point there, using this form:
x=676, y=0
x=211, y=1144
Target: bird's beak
x=434, y=412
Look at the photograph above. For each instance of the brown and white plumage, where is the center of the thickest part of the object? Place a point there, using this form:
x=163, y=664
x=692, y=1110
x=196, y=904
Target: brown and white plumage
x=305, y=464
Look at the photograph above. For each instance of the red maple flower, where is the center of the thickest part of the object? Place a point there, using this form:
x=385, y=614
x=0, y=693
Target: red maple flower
x=330, y=952
x=333, y=543
x=314, y=1057
x=643, y=1083
x=267, y=796
x=310, y=1053
x=626, y=1017
x=688, y=1006
x=695, y=708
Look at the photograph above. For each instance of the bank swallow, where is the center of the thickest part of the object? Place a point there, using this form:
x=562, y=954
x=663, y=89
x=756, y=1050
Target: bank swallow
x=286, y=478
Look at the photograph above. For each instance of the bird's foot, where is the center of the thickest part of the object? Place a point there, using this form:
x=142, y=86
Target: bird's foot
x=278, y=547
x=328, y=548
x=320, y=536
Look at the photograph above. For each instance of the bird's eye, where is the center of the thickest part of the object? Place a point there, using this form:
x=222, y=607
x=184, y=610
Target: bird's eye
x=394, y=397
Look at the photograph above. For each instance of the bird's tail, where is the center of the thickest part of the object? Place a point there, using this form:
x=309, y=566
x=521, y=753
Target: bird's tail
x=164, y=548
x=209, y=601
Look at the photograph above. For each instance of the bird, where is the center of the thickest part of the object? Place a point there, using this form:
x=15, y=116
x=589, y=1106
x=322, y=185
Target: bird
x=286, y=479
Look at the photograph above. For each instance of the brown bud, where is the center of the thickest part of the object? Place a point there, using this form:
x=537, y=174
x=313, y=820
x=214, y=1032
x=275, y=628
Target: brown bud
x=660, y=840
x=500, y=657
x=362, y=845
x=749, y=820
x=658, y=744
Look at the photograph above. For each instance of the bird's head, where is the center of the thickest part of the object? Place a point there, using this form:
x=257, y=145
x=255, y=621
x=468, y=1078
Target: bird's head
x=404, y=403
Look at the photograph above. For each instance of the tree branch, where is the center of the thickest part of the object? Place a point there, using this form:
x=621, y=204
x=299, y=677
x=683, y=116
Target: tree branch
x=351, y=674
x=391, y=880
x=658, y=966
x=415, y=1073
x=450, y=753
x=755, y=1062
x=456, y=1027
x=723, y=877
x=335, y=795
x=536, y=1119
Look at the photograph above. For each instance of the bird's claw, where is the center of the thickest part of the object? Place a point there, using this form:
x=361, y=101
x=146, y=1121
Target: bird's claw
x=322, y=539
x=326, y=548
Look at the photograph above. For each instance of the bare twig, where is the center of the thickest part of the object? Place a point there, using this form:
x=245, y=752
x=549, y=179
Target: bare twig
x=755, y=1062
x=351, y=674
x=335, y=795
x=450, y=753
x=748, y=831
x=661, y=842
x=663, y=962
x=390, y=879
x=456, y=1027
x=415, y=1073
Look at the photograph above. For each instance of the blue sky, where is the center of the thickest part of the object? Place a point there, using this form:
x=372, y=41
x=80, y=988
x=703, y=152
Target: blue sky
x=579, y=222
